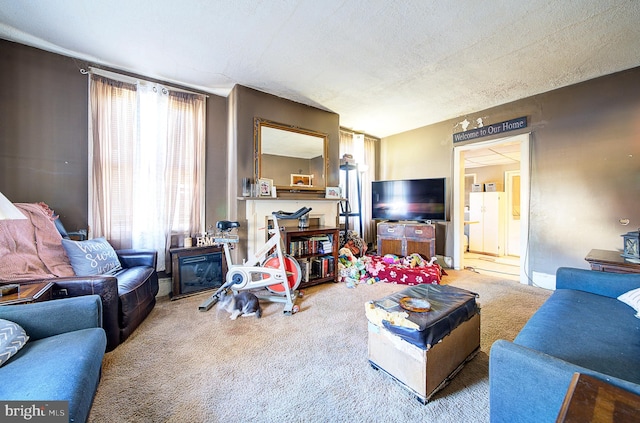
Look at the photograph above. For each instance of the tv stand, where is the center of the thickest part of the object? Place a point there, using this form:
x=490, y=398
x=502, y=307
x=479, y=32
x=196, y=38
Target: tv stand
x=406, y=238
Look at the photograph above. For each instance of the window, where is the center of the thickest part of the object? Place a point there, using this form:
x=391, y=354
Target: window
x=147, y=144
x=362, y=148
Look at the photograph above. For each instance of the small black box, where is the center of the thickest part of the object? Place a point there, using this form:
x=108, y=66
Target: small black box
x=9, y=289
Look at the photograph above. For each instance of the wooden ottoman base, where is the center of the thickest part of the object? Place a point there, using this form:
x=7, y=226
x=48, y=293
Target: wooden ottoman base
x=424, y=372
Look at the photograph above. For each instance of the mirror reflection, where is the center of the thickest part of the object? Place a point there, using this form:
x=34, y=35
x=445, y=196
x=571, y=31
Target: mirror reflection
x=293, y=158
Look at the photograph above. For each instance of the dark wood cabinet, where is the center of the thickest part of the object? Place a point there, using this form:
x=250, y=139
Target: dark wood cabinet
x=316, y=250
x=403, y=239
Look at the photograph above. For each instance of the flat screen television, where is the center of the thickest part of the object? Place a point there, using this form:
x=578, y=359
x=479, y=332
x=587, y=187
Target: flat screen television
x=409, y=199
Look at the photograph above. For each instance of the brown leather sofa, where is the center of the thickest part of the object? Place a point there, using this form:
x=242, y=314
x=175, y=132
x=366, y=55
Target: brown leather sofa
x=127, y=297
x=31, y=251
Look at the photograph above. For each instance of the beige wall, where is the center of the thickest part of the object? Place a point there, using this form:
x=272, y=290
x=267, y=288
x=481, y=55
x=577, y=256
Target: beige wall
x=421, y=153
x=585, y=164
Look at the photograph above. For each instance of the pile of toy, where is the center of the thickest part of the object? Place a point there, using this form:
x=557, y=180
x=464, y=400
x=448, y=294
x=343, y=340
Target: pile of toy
x=353, y=270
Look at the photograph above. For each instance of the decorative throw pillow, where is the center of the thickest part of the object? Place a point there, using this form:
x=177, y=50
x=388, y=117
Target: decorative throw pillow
x=12, y=338
x=92, y=257
x=632, y=298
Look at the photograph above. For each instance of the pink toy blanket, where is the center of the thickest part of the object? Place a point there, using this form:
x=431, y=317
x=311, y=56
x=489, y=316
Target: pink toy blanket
x=403, y=274
x=31, y=248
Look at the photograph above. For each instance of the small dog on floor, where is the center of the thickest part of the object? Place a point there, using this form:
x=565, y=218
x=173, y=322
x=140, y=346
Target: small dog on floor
x=244, y=304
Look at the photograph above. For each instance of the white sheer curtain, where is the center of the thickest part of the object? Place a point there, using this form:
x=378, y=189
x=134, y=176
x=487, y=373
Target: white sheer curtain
x=147, y=173
x=114, y=117
x=368, y=175
x=347, y=147
x=363, y=149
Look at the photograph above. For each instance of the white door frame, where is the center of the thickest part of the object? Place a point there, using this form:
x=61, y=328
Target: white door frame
x=457, y=217
x=510, y=250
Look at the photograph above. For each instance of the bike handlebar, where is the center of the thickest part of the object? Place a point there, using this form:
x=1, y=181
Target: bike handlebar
x=291, y=215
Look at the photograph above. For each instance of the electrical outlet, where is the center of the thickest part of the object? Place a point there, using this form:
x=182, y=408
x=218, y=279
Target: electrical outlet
x=60, y=293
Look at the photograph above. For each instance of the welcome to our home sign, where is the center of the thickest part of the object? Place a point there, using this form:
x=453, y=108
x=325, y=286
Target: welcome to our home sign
x=493, y=129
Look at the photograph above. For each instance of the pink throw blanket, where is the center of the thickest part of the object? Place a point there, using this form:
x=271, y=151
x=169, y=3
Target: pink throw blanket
x=32, y=248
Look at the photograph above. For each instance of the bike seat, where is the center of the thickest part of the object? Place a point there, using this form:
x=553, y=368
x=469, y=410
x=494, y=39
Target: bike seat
x=226, y=225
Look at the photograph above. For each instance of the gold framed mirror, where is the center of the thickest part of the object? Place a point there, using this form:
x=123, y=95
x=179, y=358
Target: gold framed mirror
x=294, y=158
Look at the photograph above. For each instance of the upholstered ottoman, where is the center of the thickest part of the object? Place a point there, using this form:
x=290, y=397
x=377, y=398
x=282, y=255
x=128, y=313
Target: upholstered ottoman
x=423, y=350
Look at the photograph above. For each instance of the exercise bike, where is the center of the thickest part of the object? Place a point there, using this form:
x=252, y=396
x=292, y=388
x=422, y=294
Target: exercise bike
x=279, y=273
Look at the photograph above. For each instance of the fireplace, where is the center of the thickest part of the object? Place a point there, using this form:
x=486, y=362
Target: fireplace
x=196, y=269
x=259, y=211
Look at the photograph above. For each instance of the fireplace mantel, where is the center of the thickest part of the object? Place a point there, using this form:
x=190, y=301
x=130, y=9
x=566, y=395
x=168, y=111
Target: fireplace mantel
x=260, y=209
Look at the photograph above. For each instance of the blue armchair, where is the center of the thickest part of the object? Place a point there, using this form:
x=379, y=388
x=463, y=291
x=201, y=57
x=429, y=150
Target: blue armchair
x=62, y=359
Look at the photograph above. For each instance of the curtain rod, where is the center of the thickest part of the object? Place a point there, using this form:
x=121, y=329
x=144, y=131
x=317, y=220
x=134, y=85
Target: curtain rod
x=134, y=78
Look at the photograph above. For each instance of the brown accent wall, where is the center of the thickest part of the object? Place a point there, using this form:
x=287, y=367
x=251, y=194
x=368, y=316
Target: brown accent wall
x=216, y=180
x=249, y=104
x=43, y=131
x=585, y=164
x=44, y=135
x=245, y=104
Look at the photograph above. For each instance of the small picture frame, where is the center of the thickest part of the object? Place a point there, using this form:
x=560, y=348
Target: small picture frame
x=333, y=192
x=264, y=187
x=298, y=180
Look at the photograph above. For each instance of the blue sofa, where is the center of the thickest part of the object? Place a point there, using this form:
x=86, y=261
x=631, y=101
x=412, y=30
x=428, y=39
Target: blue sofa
x=62, y=359
x=583, y=328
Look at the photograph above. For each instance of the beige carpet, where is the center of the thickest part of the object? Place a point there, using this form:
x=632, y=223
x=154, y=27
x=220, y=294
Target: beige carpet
x=184, y=365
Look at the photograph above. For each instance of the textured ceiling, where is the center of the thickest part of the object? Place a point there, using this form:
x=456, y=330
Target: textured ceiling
x=384, y=66
x=500, y=155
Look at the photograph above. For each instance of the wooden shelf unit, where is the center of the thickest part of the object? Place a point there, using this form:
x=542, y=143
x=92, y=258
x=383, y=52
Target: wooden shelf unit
x=294, y=245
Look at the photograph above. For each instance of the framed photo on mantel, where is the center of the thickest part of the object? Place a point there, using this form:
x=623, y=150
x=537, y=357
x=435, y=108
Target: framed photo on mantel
x=264, y=186
x=333, y=192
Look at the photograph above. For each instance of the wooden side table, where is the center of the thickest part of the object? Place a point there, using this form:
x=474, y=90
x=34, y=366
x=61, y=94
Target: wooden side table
x=591, y=400
x=611, y=261
x=29, y=293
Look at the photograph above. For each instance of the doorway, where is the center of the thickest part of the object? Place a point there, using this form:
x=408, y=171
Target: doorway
x=519, y=215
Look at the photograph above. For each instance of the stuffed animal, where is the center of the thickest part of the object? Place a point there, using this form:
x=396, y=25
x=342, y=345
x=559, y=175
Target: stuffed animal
x=351, y=269
x=416, y=260
x=391, y=259
x=352, y=241
x=346, y=257
x=413, y=260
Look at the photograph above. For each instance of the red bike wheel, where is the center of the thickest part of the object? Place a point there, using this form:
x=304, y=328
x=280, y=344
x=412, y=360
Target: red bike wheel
x=294, y=274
